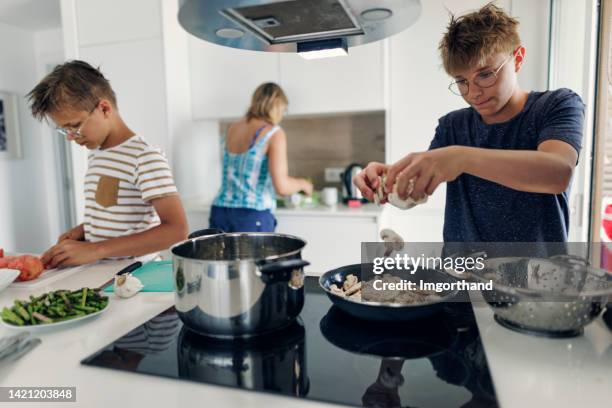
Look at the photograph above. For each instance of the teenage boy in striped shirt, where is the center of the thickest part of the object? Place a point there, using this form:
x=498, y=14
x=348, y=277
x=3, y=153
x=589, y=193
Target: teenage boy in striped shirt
x=132, y=207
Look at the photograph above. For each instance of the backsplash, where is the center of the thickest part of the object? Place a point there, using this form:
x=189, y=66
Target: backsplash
x=317, y=142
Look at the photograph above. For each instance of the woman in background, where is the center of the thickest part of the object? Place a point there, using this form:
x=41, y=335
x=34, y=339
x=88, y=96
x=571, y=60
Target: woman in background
x=255, y=167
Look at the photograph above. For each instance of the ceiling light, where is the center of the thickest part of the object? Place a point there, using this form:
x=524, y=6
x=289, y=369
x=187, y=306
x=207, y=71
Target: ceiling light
x=376, y=14
x=229, y=33
x=334, y=47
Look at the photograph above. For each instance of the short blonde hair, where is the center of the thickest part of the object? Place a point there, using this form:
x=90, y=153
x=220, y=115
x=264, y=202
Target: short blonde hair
x=264, y=99
x=473, y=38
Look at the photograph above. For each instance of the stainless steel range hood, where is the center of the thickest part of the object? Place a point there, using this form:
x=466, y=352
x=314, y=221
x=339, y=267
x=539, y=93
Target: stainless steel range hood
x=286, y=25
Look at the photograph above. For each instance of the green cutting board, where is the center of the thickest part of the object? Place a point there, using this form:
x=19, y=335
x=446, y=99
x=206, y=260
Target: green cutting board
x=155, y=277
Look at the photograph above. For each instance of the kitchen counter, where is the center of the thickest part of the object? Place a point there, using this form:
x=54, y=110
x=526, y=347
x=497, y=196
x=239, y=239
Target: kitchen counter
x=367, y=210
x=527, y=371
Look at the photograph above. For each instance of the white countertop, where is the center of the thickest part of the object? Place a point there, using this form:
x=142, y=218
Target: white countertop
x=339, y=210
x=527, y=371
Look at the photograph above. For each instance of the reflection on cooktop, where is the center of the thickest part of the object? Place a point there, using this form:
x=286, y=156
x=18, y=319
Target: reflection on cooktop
x=325, y=356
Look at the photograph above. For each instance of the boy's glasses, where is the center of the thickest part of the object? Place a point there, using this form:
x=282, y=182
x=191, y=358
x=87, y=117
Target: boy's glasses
x=75, y=132
x=485, y=79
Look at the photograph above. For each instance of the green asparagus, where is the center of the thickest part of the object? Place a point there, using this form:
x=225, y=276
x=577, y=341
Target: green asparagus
x=54, y=306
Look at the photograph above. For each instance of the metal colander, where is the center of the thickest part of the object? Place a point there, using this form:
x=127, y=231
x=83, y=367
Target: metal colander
x=553, y=297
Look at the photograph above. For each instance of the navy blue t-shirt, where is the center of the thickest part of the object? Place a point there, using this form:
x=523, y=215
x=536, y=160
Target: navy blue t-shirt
x=479, y=210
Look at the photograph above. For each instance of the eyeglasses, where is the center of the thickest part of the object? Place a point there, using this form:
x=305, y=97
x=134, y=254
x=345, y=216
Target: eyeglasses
x=485, y=79
x=66, y=132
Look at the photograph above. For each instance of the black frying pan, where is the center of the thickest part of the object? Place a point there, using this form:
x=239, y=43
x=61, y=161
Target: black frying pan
x=386, y=311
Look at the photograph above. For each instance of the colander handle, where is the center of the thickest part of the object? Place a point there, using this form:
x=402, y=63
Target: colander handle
x=572, y=260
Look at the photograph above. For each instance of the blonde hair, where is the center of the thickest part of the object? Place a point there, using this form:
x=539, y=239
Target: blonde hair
x=473, y=38
x=264, y=99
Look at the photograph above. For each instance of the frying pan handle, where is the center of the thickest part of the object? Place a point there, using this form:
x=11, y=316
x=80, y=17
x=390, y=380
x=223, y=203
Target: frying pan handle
x=205, y=232
x=280, y=271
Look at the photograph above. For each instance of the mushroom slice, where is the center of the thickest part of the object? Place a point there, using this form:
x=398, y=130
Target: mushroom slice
x=349, y=281
x=393, y=241
x=353, y=289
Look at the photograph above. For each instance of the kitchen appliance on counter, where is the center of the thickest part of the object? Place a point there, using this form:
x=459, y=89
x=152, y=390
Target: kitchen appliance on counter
x=326, y=355
x=349, y=191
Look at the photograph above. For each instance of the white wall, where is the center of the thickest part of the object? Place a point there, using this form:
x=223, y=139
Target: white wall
x=195, y=143
x=29, y=220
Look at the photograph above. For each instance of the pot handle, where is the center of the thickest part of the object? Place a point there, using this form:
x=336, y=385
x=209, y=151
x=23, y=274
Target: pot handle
x=205, y=232
x=279, y=271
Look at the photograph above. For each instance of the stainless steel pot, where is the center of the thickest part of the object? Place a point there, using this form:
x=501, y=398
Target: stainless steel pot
x=238, y=284
x=553, y=297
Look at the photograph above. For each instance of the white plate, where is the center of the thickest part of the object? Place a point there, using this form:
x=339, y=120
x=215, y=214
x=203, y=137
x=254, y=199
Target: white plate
x=40, y=327
x=7, y=276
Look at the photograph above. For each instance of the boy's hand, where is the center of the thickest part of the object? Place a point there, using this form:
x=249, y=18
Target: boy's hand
x=70, y=253
x=76, y=234
x=367, y=180
x=429, y=169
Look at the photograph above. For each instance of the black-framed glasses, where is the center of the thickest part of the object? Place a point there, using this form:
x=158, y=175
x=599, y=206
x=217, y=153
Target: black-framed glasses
x=72, y=131
x=484, y=79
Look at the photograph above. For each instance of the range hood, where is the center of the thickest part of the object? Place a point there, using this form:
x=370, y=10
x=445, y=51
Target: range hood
x=296, y=25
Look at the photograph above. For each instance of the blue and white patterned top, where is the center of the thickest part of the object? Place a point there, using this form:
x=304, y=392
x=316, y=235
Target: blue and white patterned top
x=246, y=180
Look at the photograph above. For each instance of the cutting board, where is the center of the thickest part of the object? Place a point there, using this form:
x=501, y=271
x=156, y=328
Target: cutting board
x=155, y=277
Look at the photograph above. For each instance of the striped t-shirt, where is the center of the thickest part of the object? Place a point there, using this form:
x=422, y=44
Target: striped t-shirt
x=120, y=184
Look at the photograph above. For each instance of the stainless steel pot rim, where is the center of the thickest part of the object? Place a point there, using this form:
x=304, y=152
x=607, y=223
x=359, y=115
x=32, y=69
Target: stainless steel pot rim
x=392, y=305
x=236, y=234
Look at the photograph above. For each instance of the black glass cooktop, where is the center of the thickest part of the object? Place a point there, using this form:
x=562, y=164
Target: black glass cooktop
x=325, y=356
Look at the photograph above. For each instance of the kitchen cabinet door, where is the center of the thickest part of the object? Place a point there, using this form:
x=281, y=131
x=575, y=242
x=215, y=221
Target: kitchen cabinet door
x=223, y=79
x=135, y=70
x=111, y=21
x=340, y=84
x=331, y=242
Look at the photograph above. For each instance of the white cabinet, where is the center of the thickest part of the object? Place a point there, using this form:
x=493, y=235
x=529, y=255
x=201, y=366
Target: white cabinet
x=333, y=237
x=135, y=71
x=110, y=21
x=340, y=84
x=223, y=79
x=332, y=242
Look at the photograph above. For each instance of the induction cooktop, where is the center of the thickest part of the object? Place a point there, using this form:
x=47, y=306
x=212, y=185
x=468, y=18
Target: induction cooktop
x=325, y=356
